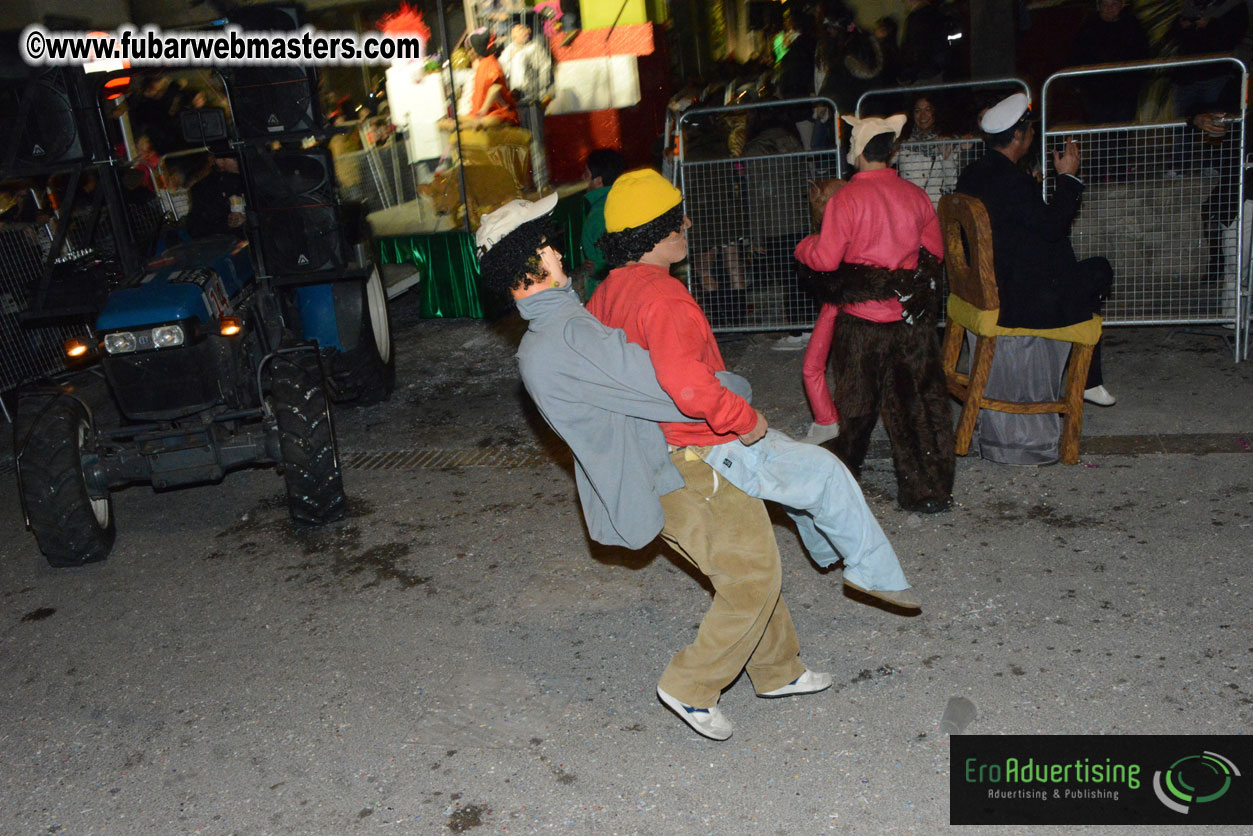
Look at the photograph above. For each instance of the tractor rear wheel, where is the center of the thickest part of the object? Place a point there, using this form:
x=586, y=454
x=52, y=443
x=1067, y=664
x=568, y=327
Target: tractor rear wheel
x=367, y=374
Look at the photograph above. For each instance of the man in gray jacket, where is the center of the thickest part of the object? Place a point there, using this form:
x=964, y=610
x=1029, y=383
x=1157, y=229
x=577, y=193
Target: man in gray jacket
x=600, y=394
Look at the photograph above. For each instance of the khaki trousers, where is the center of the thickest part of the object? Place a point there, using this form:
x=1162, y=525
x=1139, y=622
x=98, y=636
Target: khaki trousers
x=727, y=535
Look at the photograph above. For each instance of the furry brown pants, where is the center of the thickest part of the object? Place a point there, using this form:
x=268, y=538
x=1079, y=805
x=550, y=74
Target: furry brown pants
x=894, y=371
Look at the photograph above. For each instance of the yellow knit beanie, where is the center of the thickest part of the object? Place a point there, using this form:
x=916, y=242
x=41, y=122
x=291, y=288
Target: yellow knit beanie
x=638, y=197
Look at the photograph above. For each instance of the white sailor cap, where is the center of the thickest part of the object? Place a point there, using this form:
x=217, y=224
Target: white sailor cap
x=1005, y=114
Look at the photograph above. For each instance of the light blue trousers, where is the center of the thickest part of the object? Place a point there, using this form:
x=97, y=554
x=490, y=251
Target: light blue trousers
x=821, y=497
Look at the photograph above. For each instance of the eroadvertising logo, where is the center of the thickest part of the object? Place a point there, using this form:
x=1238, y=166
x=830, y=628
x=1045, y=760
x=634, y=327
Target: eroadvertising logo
x=1102, y=779
x=1210, y=772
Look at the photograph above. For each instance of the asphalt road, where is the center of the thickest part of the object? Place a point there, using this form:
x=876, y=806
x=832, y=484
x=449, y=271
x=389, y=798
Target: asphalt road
x=456, y=657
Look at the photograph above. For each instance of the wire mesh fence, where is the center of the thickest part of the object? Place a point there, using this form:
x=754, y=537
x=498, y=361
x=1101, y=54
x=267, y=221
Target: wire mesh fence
x=380, y=176
x=29, y=353
x=1164, y=199
x=934, y=165
x=1161, y=203
x=749, y=210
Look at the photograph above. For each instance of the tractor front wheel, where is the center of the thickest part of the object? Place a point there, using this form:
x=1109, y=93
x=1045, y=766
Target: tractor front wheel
x=315, y=487
x=71, y=526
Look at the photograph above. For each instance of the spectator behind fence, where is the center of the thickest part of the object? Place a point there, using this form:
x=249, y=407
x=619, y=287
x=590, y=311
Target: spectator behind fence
x=1220, y=210
x=1040, y=282
x=1111, y=34
x=599, y=172
x=155, y=113
x=876, y=262
x=148, y=163
x=887, y=33
x=778, y=209
x=1202, y=28
x=924, y=49
x=924, y=159
x=216, y=191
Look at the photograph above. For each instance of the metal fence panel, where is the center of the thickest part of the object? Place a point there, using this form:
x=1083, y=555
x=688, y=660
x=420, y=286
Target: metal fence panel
x=748, y=213
x=973, y=94
x=1164, y=203
x=28, y=353
x=935, y=165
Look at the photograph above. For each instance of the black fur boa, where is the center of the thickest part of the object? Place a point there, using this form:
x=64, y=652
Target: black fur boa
x=918, y=288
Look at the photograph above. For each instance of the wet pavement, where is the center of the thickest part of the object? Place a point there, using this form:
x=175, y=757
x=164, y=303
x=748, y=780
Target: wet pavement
x=456, y=657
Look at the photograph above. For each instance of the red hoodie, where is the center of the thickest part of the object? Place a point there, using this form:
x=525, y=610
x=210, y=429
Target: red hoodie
x=656, y=312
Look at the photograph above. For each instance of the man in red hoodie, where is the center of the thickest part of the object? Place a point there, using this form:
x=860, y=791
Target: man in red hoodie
x=721, y=530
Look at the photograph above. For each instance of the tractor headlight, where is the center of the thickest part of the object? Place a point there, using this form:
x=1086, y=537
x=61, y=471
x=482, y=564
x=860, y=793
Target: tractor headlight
x=119, y=342
x=166, y=336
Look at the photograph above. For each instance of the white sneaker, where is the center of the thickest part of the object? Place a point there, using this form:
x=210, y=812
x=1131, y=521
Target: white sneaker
x=819, y=433
x=792, y=342
x=1100, y=396
x=709, y=722
x=807, y=683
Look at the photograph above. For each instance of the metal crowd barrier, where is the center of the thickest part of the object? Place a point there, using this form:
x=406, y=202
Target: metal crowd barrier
x=1163, y=202
x=748, y=214
x=28, y=353
x=934, y=165
x=901, y=99
x=31, y=353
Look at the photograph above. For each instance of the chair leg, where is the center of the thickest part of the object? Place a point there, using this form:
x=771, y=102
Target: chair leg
x=1072, y=421
x=980, y=368
x=953, y=335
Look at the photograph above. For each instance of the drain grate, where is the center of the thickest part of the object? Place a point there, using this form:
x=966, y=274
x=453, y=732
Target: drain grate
x=431, y=457
x=435, y=458
x=1123, y=445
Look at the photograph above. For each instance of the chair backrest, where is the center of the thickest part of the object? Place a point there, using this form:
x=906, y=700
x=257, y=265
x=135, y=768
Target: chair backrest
x=968, y=250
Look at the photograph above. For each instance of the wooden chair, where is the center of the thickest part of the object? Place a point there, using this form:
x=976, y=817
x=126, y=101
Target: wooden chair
x=973, y=305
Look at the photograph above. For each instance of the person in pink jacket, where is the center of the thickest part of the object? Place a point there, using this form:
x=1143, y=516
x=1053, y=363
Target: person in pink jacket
x=876, y=262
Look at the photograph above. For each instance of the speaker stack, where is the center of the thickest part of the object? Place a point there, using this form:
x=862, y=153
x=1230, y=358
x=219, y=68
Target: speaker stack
x=291, y=192
x=270, y=101
x=293, y=195
x=38, y=127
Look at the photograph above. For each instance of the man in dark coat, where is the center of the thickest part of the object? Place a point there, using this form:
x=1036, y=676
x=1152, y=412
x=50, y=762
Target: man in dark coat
x=1040, y=281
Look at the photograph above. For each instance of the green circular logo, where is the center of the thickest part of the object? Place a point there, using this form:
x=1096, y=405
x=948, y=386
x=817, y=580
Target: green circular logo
x=1194, y=779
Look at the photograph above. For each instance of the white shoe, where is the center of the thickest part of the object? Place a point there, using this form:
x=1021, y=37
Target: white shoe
x=807, y=683
x=1100, y=396
x=819, y=433
x=792, y=342
x=709, y=722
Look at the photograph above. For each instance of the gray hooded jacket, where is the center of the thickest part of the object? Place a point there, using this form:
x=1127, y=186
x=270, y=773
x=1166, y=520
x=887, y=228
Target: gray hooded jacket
x=600, y=394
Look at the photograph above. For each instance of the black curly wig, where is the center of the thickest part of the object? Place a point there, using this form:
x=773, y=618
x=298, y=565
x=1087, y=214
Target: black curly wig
x=631, y=244
x=512, y=264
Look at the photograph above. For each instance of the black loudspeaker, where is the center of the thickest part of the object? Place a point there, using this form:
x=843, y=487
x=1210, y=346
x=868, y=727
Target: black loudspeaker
x=293, y=196
x=38, y=129
x=267, y=101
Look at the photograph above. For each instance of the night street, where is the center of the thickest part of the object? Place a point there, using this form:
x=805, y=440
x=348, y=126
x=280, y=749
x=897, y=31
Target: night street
x=454, y=656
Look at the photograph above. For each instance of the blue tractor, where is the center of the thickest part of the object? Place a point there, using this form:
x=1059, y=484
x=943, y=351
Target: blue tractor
x=203, y=355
